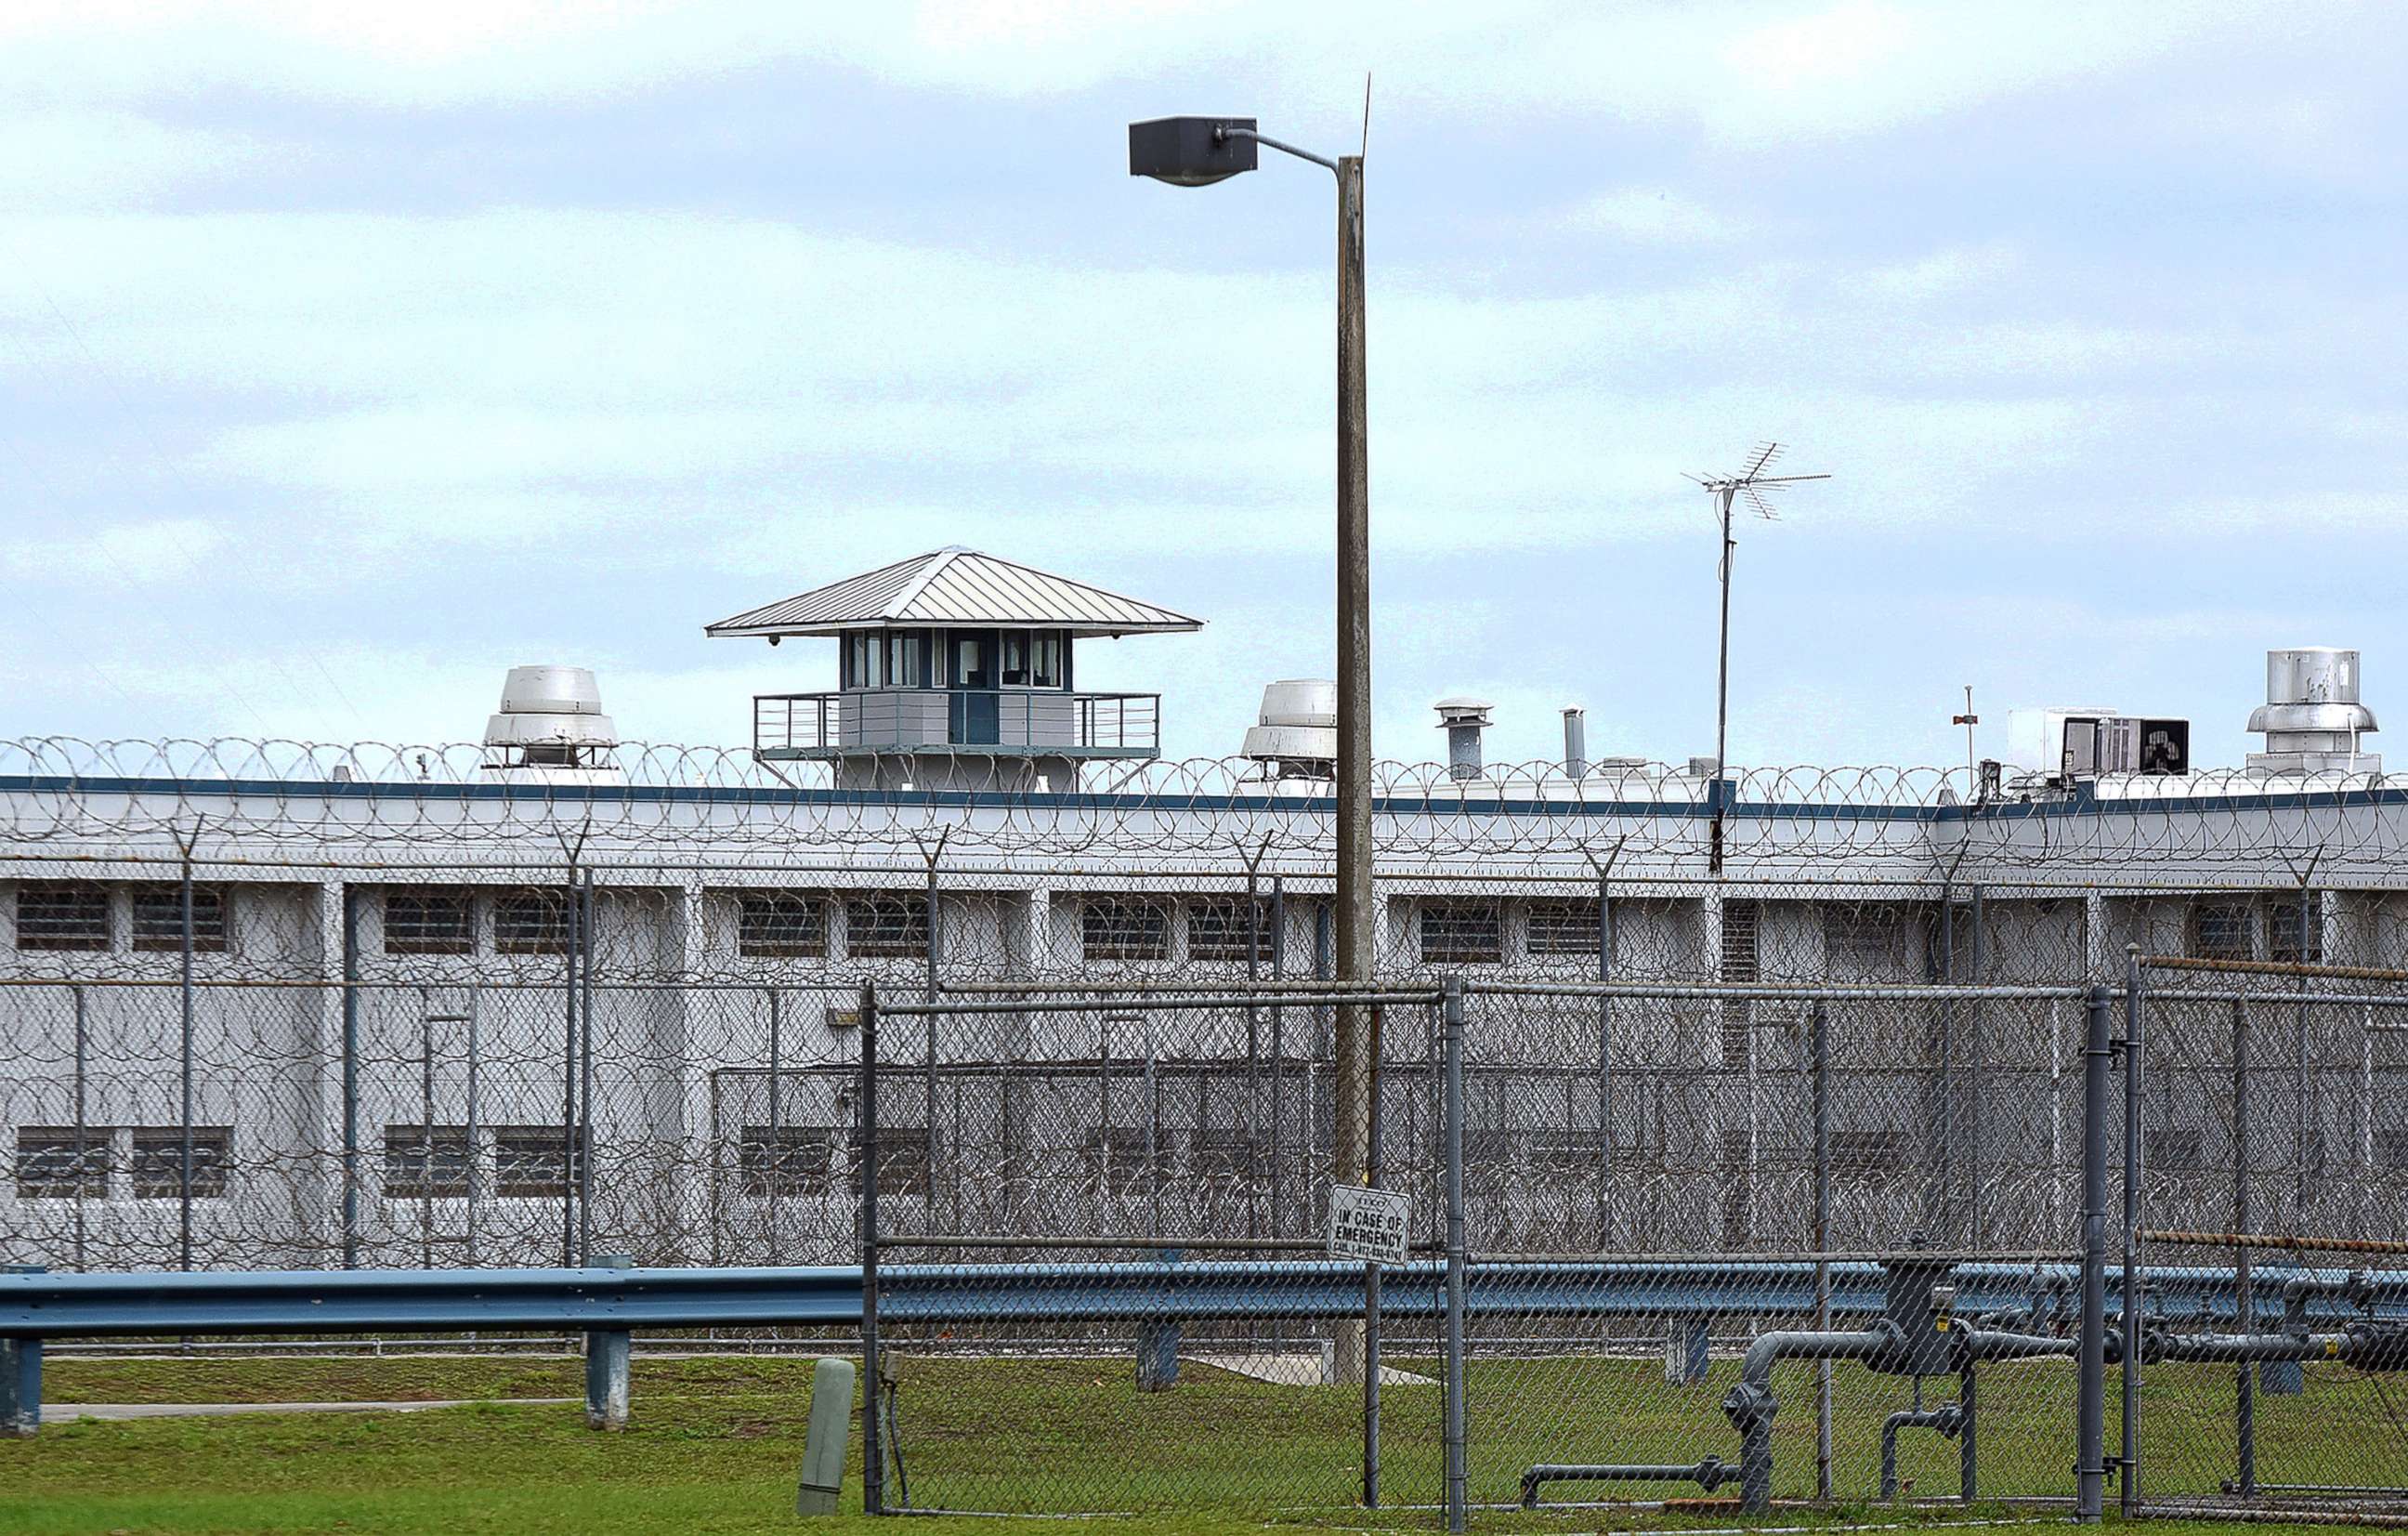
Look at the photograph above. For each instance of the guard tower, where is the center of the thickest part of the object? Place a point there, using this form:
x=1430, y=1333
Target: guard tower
x=955, y=671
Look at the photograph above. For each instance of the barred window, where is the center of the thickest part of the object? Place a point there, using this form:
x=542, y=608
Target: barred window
x=1216, y=929
x=158, y=918
x=423, y=1162
x=61, y=915
x=1881, y=1151
x=781, y=925
x=1565, y=926
x=2286, y=941
x=888, y=927
x=157, y=1164
x=1117, y=1163
x=1225, y=1153
x=1124, y=928
x=1742, y=926
x=793, y=1160
x=2173, y=1148
x=531, y=923
x=904, y=1158
x=429, y=921
x=1461, y=933
x=2220, y=930
x=62, y=1163
x=534, y=1161
x=1566, y=1156
x=1869, y=942
x=2391, y=1147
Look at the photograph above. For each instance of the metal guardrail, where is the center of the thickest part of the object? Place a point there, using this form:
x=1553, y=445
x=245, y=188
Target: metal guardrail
x=442, y=1300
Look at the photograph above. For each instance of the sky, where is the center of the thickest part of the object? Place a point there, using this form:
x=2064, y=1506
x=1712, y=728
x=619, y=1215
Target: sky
x=351, y=354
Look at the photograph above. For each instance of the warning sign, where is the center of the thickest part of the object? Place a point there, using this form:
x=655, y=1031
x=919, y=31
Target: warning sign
x=1368, y=1224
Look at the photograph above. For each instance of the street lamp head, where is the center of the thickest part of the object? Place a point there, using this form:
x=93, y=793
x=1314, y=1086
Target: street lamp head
x=1191, y=151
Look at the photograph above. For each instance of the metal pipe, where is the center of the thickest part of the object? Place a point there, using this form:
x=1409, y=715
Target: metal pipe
x=582, y=1150
x=1710, y=1473
x=1751, y=1406
x=568, y=1075
x=1948, y=1419
x=2091, y=1408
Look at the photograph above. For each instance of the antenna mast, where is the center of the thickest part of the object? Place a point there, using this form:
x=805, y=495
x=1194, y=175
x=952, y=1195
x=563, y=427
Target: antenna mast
x=1749, y=484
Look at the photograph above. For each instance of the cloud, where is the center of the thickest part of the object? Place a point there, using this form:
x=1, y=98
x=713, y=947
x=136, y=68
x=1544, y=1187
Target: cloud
x=121, y=556
x=1654, y=215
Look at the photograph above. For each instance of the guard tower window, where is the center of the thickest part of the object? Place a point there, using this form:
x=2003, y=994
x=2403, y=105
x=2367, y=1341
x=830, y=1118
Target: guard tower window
x=1462, y=933
x=158, y=918
x=1124, y=928
x=904, y=653
x=1045, y=660
x=781, y=925
x=61, y=915
x=1015, y=658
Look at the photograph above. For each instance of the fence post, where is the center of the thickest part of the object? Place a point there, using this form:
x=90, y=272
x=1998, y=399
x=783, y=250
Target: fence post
x=2134, y=1303
x=2090, y=1405
x=2244, y=1401
x=582, y=1150
x=873, y=1467
x=606, y=1363
x=1371, y=1282
x=1819, y=1029
x=1454, y=1255
x=21, y=1376
x=350, y=1077
x=184, y=1159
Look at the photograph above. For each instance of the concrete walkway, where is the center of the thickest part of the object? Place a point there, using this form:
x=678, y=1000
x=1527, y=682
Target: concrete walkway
x=67, y=1413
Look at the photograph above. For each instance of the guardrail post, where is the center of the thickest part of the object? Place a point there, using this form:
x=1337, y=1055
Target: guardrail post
x=606, y=1352
x=21, y=1376
x=1158, y=1341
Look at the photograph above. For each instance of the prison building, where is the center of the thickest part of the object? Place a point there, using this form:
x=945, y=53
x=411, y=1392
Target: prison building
x=552, y=995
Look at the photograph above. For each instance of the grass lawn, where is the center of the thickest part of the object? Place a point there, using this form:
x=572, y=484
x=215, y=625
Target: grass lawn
x=716, y=1442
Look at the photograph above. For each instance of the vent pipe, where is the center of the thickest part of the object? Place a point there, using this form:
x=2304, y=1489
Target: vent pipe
x=2313, y=718
x=1463, y=720
x=1575, y=742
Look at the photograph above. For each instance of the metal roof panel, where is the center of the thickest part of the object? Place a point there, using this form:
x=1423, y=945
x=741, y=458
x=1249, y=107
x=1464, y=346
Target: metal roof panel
x=955, y=586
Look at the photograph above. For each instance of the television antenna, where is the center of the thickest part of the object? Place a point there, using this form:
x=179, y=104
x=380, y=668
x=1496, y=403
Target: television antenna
x=1755, y=485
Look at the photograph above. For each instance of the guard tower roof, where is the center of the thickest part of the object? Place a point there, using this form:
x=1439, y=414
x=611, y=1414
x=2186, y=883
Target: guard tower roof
x=954, y=586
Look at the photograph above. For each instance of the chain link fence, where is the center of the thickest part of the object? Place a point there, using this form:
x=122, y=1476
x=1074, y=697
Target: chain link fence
x=252, y=1021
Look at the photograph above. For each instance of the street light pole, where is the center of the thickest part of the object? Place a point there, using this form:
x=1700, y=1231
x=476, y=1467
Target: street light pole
x=1198, y=152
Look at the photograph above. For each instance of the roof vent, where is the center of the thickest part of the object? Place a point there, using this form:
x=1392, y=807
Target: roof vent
x=1463, y=720
x=551, y=729
x=2311, y=718
x=1297, y=736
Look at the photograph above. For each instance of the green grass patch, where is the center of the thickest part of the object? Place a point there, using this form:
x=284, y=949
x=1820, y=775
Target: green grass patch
x=716, y=1442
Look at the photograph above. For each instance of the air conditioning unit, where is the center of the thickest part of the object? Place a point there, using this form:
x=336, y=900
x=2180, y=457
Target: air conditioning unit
x=2066, y=745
